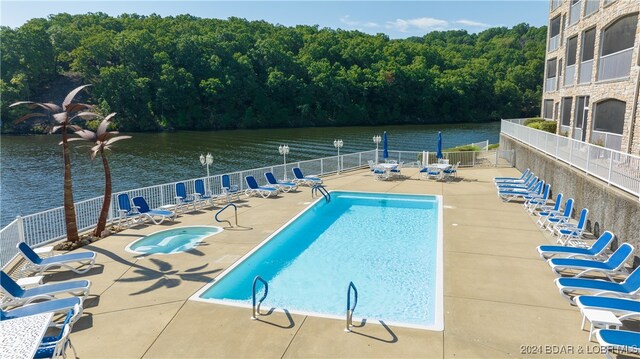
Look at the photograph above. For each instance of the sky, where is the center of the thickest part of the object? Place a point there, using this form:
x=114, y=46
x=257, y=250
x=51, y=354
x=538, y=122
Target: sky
x=398, y=19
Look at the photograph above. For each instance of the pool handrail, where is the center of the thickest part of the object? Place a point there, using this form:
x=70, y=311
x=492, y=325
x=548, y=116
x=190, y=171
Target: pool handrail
x=350, y=308
x=235, y=209
x=256, y=309
x=323, y=191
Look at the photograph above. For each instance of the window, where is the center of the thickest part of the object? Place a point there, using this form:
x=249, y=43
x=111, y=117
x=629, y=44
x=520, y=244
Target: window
x=574, y=11
x=551, y=68
x=566, y=111
x=620, y=35
x=591, y=6
x=554, y=33
x=548, y=109
x=550, y=81
x=572, y=47
x=588, y=44
x=617, y=48
x=609, y=116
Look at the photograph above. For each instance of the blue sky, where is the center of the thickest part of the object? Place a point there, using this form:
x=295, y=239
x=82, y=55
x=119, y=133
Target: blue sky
x=398, y=19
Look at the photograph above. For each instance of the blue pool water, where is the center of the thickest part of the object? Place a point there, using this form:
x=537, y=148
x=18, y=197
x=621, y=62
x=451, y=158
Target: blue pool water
x=172, y=240
x=389, y=245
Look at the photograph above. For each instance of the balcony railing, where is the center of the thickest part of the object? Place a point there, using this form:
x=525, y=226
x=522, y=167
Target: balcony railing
x=614, y=167
x=591, y=6
x=574, y=13
x=565, y=130
x=586, y=68
x=607, y=139
x=554, y=43
x=616, y=65
x=550, y=84
x=577, y=134
x=569, y=74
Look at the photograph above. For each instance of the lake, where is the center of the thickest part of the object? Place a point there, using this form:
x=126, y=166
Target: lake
x=31, y=171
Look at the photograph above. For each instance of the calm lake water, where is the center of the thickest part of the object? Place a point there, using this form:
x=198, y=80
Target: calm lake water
x=31, y=166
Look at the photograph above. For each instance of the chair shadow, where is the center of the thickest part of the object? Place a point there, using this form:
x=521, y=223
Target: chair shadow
x=270, y=312
x=65, y=274
x=393, y=336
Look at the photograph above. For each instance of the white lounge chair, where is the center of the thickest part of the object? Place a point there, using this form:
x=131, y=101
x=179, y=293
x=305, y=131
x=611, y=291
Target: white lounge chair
x=37, y=264
x=15, y=295
x=629, y=288
x=255, y=189
x=596, y=250
x=613, y=266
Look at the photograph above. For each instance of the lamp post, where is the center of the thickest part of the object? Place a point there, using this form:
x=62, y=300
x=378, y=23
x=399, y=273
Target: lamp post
x=284, y=150
x=377, y=139
x=338, y=144
x=206, y=161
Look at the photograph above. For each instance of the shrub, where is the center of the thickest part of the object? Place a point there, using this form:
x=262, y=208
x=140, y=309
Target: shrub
x=493, y=146
x=529, y=121
x=548, y=126
x=464, y=148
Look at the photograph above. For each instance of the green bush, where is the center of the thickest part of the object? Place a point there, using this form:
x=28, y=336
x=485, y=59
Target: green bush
x=548, y=126
x=493, y=146
x=464, y=148
x=529, y=121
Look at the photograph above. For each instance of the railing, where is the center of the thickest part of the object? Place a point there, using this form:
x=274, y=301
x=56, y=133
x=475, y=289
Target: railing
x=351, y=308
x=616, y=168
x=554, y=43
x=550, y=84
x=235, y=211
x=574, y=13
x=608, y=140
x=591, y=6
x=255, y=309
x=577, y=134
x=323, y=191
x=565, y=130
x=483, y=145
x=586, y=68
x=615, y=65
x=44, y=227
x=569, y=74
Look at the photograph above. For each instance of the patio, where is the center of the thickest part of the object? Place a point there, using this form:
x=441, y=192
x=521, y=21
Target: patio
x=499, y=296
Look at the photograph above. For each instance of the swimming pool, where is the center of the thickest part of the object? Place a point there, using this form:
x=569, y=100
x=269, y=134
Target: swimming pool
x=389, y=245
x=171, y=241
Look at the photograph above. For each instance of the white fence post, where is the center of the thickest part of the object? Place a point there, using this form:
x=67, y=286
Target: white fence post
x=20, y=228
x=610, y=169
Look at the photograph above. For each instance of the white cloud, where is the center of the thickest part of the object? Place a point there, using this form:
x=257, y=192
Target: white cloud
x=471, y=23
x=358, y=24
x=422, y=23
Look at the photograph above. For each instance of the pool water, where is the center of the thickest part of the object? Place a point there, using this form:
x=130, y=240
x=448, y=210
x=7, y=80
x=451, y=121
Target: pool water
x=171, y=241
x=389, y=245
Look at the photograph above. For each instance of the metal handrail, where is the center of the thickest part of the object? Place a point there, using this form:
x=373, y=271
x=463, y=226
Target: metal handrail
x=323, y=191
x=224, y=220
x=256, y=309
x=350, y=309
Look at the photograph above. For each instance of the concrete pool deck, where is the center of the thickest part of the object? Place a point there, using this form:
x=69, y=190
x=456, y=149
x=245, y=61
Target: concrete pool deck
x=499, y=296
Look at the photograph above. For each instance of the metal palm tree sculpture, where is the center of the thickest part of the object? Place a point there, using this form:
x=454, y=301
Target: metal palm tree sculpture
x=62, y=120
x=103, y=140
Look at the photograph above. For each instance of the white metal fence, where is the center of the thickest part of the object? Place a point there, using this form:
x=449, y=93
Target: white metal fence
x=614, y=167
x=48, y=226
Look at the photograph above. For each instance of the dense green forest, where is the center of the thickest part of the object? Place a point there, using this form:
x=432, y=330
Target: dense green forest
x=186, y=72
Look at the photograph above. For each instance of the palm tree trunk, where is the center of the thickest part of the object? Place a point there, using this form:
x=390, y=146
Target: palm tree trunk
x=69, y=207
x=106, y=202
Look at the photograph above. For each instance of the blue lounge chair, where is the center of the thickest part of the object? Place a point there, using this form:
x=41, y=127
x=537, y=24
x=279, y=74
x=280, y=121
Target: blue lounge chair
x=55, y=346
x=201, y=193
x=184, y=200
x=127, y=215
x=145, y=212
x=509, y=194
x=15, y=295
x=284, y=186
x=628, y=288
x=547, y=213
x=572, y=233
x=614, y=265
x=513, y=179
x=596, y=250
x=54, y=305
x=301, y=179
x=554, y=218
x=255, y=189
x=533, y=202
x=229, y=190
x=623, y=308
x=37, y=264
x=527, y=183
x=625, y=341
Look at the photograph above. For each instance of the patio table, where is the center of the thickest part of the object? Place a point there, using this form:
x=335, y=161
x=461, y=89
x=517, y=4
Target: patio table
x=20, y=337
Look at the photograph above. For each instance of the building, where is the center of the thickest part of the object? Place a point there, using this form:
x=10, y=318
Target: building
x=592, y=72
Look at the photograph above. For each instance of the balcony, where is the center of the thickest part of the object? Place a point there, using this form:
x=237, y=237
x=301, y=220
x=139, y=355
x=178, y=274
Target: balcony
x=616, y=65
x=550, y=84
x=574, y=13
x=591, y=6
x=586, y=68
x=608, y=140
x=554, y=43
x=569, y=75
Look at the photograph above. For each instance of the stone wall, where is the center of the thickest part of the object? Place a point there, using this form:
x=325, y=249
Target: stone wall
x=609, y=207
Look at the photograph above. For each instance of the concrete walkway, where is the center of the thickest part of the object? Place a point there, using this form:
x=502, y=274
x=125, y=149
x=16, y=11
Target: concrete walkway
x=500, y=300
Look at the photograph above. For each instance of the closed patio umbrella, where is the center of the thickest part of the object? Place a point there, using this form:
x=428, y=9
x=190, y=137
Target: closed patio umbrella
x=385, y=149
x=439, y=150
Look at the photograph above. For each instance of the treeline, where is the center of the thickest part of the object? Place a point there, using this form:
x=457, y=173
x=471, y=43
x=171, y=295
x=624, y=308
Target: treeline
x=189, y=73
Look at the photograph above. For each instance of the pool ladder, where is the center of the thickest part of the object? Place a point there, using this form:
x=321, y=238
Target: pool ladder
x=256, y=308
x=323, y=191
x=235, y=210
x=350, y=308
